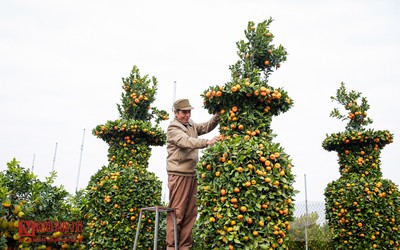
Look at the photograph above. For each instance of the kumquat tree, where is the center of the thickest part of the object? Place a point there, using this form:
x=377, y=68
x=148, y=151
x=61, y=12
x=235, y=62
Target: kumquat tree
x=245, y=179
x=362, y=208
x=118, y=191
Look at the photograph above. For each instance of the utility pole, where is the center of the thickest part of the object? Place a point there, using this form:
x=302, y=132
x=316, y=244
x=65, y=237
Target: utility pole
x=173, y=97
x=80, y=161
x=306, y=224
x=54, y=158
x=33, y=162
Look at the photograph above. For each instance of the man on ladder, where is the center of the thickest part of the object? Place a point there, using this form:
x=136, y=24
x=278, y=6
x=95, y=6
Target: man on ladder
x=183, y=145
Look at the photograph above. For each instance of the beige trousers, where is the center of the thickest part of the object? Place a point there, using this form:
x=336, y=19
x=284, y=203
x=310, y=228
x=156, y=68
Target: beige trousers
x=182, y=197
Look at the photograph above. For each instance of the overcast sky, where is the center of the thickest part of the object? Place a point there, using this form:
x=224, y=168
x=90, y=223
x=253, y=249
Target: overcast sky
x=61, y=64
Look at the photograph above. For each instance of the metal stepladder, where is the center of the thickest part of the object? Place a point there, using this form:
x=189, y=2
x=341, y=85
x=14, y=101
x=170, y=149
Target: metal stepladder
x=157, y=210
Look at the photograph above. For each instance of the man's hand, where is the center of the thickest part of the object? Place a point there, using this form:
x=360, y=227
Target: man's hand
x=213, y=140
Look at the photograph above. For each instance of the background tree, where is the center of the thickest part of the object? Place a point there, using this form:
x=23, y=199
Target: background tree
x=245, y=180
x=318, y=234
x=118, y=191
x=25, y=197
x=362, y=208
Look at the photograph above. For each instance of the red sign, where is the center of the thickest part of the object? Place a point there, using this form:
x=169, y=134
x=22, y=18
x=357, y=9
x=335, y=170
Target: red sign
x=50, y=231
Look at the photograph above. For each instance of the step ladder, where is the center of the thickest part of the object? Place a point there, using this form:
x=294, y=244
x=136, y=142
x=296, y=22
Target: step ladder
x=157, y=210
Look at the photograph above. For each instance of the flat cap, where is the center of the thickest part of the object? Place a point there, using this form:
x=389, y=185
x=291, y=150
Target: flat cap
x=182, y=104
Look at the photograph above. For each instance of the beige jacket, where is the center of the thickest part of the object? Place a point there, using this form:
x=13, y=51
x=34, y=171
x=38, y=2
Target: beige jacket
x=183, y=145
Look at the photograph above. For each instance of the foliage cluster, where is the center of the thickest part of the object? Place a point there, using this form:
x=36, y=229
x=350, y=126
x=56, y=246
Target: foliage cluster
x=248, y=87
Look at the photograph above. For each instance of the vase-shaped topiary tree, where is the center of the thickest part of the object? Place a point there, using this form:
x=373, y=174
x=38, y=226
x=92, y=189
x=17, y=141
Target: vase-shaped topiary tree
x=362, y=208
x=118, y=191
x=245, y=180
